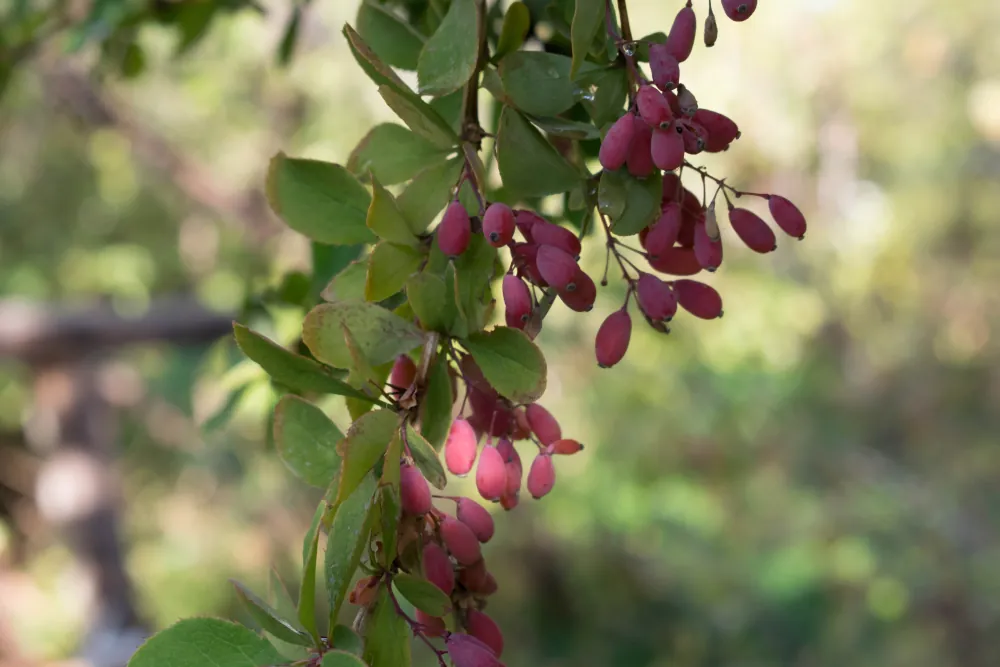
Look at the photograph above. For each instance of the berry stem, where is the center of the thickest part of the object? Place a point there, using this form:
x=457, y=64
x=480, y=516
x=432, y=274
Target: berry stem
x=611, y=244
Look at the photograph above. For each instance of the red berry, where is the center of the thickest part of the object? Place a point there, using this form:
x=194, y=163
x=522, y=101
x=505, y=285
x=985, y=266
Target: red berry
x=414, y=492
x=509, y=501
x=525, y=256
x=498, y=224
x=432, y=625
x=546, y=233
x=739, y=10
x=489, y=586
x=640, y=156
x=543, y=424
x=616, y=143
x=460, y=541
x=612, y=338
x=707, y=250
x=473, y=577
x=752, y=230
x=485, y=629
x=455, y=230
x=521, y=429
x=686, y=100
x=565, y=447
x=655, y=297
x=557, y=267
x=467, y=651
x=720, y=130
x=677, y=262
x=667, y=148
x=787, y=215
x=663, y=233
x=525, y=221
x=404, y=371
x=474, y=376
x=675, y=106
x=695, y=137
x=699, y=299
x=475, y=516
x=517, y=301
x=491, y=476
x=653, y=107
x=680, y=41
x=664, y=66
x=437, y=567
x=581, y=298
x=460, y=448
x=541, y=477
x=512, y=467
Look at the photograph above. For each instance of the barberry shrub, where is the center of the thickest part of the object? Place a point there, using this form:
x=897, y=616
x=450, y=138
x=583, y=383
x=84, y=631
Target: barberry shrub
x=408, y=335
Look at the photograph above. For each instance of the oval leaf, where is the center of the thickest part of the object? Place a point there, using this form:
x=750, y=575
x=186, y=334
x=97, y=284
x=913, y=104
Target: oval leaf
x=349, y=284
x=307, y=441
x=422, y=594
x=346, y=541
x=529, y=165
x=393, y=154
x=389, y=266
x=345, y=639
x=385, y=219
x=419, y=117
x=425, y=458
x=436, y=406
x=587, y=19
x=365, y=444
x=206, y=641
x=373, y=66
x=427, y=295
x=538, y=82
x=516, y=23
x=449, y=57
x=381, y=334
x=429, y=192
x=387, y=636
x=510, y=362
x=395, y=41
x=269, y=619
x=341, y=659
x=638, y=200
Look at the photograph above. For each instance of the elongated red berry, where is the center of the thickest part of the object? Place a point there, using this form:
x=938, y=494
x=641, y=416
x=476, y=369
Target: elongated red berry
x=655, y=297
x=739, y=10
x=677, y=262
x=512, y=467
x=525, y=256
x=455, y=230
x=663, y=234
x=460, y=448
x=613, y=338
x=707, y=250
x=525, y=221
x=432, y=626
x=543, y=424
x=581, y=298
x=699, y=299
x=521, y=429
x=675, y=105
x=509, y=501
x=667, y=148
x=752, y=230
x=404, y=371
x=558, y=268
x=491, y=476
x=437, y=567
x=664, y=66
x=474, y=376
x=485, y=629
x=498, y=224
x=541, y=476
x=787, y=215
x=473, y=577
x=460, y=541
x=414, y=492
x=640, y=156
x=565, y=447
x=475, y=516
x=467, y=651
x=616, y=143
x=721, y=130
x=680, y=41
x=516, y=301
x=653, y=107
x=695, y=137
x=547, y=233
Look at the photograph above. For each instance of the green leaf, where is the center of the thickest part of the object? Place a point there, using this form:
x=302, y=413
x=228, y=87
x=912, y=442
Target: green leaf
x=373, y=66
x=387, y=636
x=641, y=199
x=206, y=641
x=529, y=165
x=420, y=117
x=567, y=129
x=460, y=323
x=365, y=444
x=282, y=601
x=425, y=458
x=307, y=441
x=436, y=406
x=474, y=269
x=310, y=547
x=290, y=369
x=422, y=594
x=516, y=23
x=510, y=362
x=642, y=48
x=269, y=619
x=290, y=37
x=587, y=19
x=349, y=284
x=382, y=335
x=389, y=508
x=346, y=542
x=429, y=299
x=381, y=374
x=394, y=40
x=394, y=154
x=389, y=267
x=429, y=192
x=345, y=639
x=385, y=219
x=605, y=91
x=341, y=659
x=321, y=200
x=328, y=261
x=538, y=82
x=391, y=467
x=450, y=108
x=361, y=375
x=449, y=57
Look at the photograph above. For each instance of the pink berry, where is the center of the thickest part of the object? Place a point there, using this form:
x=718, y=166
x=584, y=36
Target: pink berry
x=699, y=299
x=460, y=448
x=676, y=262
x=517, y=301
x=455, y=230
x=460, y=541
x=663, y=233
x=640, y=156
x=414, y=492
x=695, y=137
x=467, y=651
x=664, y=66
x=558, y=268
x=613, y=338
x=787, y=215
x=475, y=516
x=498, y=225
x=512, y=466
x=582, y=295
x=541, y=476
x=543, y=424
x=706, y=249
x=546, y=233
x=491, y=476
x=437, y=567
x=720, y=130
x=739, y=10
x=485, y=629
x=680, y=41
x=655, y=297
x=667, y=148
x=752, y=230
x=616, y=144
x=525, y=221
x=432, y=625
x=404, y=371
x=653, y=107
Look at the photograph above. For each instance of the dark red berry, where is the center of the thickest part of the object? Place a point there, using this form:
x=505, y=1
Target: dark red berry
x=546, y=233
x=613, y=338
x=680, y=41
x=720, y=130
x=498, y=225
x=557, y=267
x=739, y=10
x=677, y=262
x=581, y=298
x=752, y=230
x=460, y=541
x=655, y=297
x=525, y=256
x=640, y=156
x=787, y=215
x=437, y=567
x=517, y=301
x=616, y=143
x=404, y=371
x=455, y=230
x=485, y=629
x=707, y=250
x=664, y=66
x=525, y=221
x=467, y=651
x=699, y=299
x=414, y=493
x=663, y=234
x=653, y=107
x=565, y=447
x=667, y=148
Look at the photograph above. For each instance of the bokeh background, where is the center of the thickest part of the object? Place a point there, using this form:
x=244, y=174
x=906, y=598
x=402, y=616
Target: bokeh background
x=812, y=480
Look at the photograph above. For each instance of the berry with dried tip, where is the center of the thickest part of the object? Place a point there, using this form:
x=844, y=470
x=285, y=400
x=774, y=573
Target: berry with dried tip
x=475, y=516
x=711, y=27
x=694, y=135
x=613, y=338
x=364, y=591
x=414, y=492
x=720, y=129
x=680, y=41
x=581, y=298
x=404, y=372
x=455, y=230
x=655, y=298
x=565, y=447
x=752, y=230
x=467, y=651
x=699, y=299
x=516, y=301
x=739, y=10
x=653, y=107
x=543, y=424
x=498, y=224
x=437, y=567
x=706, y=249
x=664, y=66
x=485, y=629
x=787, y=215
x=558, y=268
x=686, y=101
x=541, y=476
x=667, y=148
x=460, y=541
x=491, y=475
x=460, y=448
x=522, y=430
x=616, y=143
x=663, y=233
x=432, y=626
x=640, y=156
x=677, y=262
x=547, y=233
